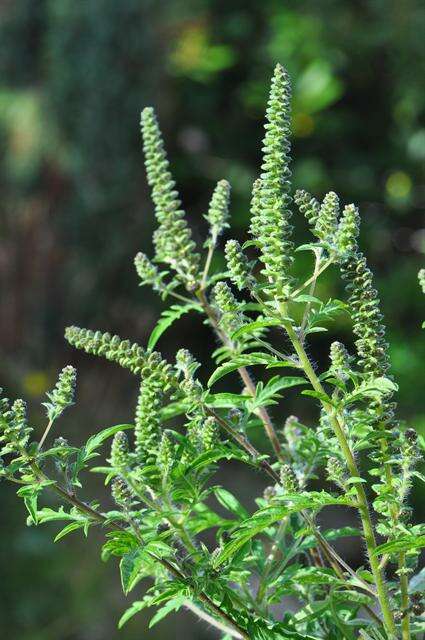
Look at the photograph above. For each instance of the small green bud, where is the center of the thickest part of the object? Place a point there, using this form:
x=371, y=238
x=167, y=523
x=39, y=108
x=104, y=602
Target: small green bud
x=421, y=278
x=165, y=454
x=308, y=205
x=147, y=271
x=119, y=451
x=186, y=363
x=348, y=230
x=121, y=493
x=340, y=360
x=292, y=431
x=209, y=433
x=218, y=212
x=230, y=316
x=62, y=395
x=336, y=472
x=193, y=390
x=147, y=421
x=288, y=479
x=255, y=210
x=238, y=265
x=327, y=220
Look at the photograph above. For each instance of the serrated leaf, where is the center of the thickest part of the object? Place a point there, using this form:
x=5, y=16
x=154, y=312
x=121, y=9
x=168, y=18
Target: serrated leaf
x=249, y=360
x=167, y=318
x=252, y=327
x=172, y=605
x=229, y=502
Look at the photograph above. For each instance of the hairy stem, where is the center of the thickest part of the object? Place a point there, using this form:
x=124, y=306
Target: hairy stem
x=369, y=534
x=230, y=631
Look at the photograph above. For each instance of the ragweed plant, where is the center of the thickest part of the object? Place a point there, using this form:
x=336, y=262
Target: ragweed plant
x=274, y=573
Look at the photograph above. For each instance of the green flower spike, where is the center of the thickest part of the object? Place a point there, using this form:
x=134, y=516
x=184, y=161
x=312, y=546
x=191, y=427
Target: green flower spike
x=63, y=394
x=165, y=454
x=288, y=479
x=119, y=451
x=308, y=205
x=209, y=433
x=238, y=265
x=272, y=225
x=348, y=230
x=147, y=420
x=218, y=212
x=340, y=360
x=371, y=345
x=327, y=220
x=173, y=239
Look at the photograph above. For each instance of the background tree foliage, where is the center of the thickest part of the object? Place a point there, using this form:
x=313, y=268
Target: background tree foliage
x=74, y=206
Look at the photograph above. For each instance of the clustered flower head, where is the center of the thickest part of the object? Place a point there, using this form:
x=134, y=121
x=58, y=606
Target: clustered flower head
x=231, y=317
x=148, y=272
x=119, y=451
x=327, y=219
x=14, y=429
x=173, y=238
x=238, y=265
x=147, y=420
x=218, y=212
x=368, y=326
x=308, y=205
x=272, y=226
x=340, y=360
x=63, y=393
x=348, y=230
x=288, y=479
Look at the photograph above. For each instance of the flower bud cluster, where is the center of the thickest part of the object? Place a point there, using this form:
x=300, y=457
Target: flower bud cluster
x=14, y=429
x=238, y=265
x=340, y=360
x=173, y=239
x=218, y=212
x=327, y=219
x=348, y=231
x=165, y=454
x=148, y=272
x=364, y=302
x=63, y=394
x=228, y=307
x=308, y=205
x=271, y=227
x=119, y=457
x=288, y=479
x=147, y=420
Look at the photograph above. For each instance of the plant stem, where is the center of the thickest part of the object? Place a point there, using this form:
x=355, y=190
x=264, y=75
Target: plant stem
x=45, y=434
x=404, y=588
x=363, y=507
x=230, y=631
x=312, y=278
x=208, y=263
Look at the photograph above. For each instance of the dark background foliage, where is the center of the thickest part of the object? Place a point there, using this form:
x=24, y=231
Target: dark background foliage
x=75, y=209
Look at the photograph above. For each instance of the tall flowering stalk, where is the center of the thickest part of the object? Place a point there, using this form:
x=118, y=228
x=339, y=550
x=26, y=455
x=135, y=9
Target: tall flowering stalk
x=170, y=519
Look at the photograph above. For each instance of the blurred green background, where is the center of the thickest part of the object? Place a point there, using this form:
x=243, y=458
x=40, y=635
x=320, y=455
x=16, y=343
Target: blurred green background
x=75, y=209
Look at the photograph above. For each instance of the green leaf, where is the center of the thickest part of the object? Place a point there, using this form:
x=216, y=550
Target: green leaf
x=264, y=394
x=94, y=442
x=252, y=327
x=131, y=611
x=229, y=502
x=405, y=543
x=69, y=529
x=131, y=569
x=172, y=605
x=249, y=360
x=167, y=318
